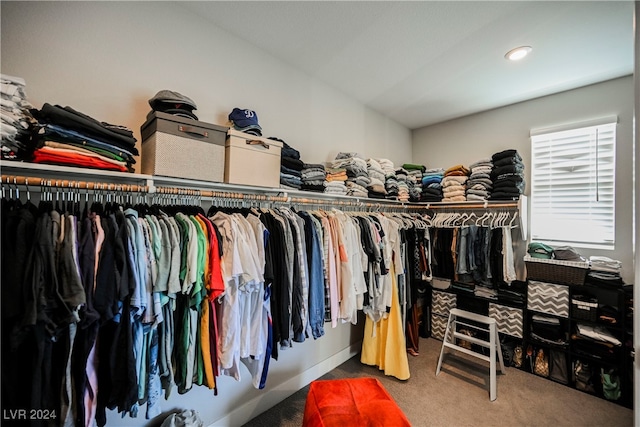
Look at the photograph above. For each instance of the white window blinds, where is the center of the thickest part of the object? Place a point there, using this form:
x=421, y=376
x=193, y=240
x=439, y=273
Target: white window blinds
x=573, y=186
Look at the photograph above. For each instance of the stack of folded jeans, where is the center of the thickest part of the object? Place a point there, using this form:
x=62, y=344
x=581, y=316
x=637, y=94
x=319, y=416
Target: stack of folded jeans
x=68, y=137
x=376, y=187
x=432, y=185
x=16, y=118
x=479, y=184
x=313, y=177
x=507, y=175
x=291, y=172
x=290, y=166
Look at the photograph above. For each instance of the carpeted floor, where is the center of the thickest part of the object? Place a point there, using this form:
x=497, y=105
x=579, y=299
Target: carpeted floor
x=459, y=396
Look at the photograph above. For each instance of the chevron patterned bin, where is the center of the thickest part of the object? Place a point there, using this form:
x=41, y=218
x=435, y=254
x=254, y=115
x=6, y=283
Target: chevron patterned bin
x=508, y=319
x=438, y=326
x=442, y=302
x=548, y=298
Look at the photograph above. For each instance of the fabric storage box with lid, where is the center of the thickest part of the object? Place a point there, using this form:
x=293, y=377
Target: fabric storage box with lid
x=180, y=147
x=556, y=271
x=508, y=319
x=252, y=160
x=442, y=302
x=549, y=298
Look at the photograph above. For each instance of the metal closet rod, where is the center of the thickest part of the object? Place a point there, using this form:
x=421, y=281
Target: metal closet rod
x=465, y=205
x=72, y=184
x=106, y=186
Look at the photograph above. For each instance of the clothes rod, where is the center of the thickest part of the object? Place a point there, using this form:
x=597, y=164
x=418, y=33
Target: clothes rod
x=465, y=205
x=71, y=184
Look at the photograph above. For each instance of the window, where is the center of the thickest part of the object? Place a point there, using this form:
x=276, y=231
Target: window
x=573, y=186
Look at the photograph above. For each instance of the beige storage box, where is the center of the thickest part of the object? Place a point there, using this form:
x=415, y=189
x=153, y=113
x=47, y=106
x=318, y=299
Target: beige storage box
x=179, y=147
x=252, y=160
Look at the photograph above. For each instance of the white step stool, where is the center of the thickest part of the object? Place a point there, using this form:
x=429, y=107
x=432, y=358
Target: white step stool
x=493, y=344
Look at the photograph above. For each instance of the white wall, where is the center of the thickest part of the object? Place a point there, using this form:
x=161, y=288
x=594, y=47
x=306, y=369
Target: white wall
x=471, y=138
x=106, y=59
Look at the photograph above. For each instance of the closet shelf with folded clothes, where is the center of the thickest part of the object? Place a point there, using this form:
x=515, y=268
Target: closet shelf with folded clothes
x=32, y=176
x=54, y=172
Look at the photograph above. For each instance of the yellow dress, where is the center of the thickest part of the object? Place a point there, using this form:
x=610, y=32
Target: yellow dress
x=384, y=342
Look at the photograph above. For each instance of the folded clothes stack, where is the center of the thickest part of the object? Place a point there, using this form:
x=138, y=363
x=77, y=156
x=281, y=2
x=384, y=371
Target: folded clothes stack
x=335, y=181
x=479, y=184
x=68, y=137
x=390, y=180
x=403, y=186
x=604, y=271
x=414, y=180
x=432, y=185
x=454, y=188
x=376, y=187
x=290, y=166
x=357, y=176
x=313, y=177
x=17, y=121
x=507, y=175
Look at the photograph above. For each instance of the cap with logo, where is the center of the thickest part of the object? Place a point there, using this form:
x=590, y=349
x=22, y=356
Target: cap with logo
x=245, y=120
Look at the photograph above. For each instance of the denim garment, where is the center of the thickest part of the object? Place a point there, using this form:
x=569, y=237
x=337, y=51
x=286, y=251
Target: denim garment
x=316, y=277
x=462, y=251
x=154, y=388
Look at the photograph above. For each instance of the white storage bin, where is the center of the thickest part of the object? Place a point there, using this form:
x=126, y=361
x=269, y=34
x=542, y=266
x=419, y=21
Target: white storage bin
x=252, y=160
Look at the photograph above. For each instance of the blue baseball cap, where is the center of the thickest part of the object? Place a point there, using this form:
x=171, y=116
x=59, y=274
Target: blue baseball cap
x=243, y=118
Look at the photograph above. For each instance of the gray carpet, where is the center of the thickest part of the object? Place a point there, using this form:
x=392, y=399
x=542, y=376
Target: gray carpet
x=459, y=396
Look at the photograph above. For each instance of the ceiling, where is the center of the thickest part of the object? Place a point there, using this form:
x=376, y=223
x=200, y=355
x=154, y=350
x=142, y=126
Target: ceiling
x=425, y=62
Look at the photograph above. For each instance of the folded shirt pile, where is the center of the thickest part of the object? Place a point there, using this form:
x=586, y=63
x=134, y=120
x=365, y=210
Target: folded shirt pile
x=17, y=121
x=604, y=271
x=376, y=187
x=454, y=184
x=507, y=175
x=414, y=180
x=390, y=180
x=597, y=333
x=335, y=181
x=313, y=177
x=432, y=185
x=479, y=184
x=68, y=137
x=357, y=176
x=403, y=186
x=290, y=166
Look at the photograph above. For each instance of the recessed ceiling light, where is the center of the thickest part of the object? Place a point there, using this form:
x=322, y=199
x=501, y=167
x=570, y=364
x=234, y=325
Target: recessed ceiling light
x=518, y=53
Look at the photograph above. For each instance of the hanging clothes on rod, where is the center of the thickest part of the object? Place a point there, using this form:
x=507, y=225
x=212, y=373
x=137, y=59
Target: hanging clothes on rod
x=166, y=295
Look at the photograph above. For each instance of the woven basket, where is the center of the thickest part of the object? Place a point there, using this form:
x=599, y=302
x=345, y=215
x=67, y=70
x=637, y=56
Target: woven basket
x=554, y=271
